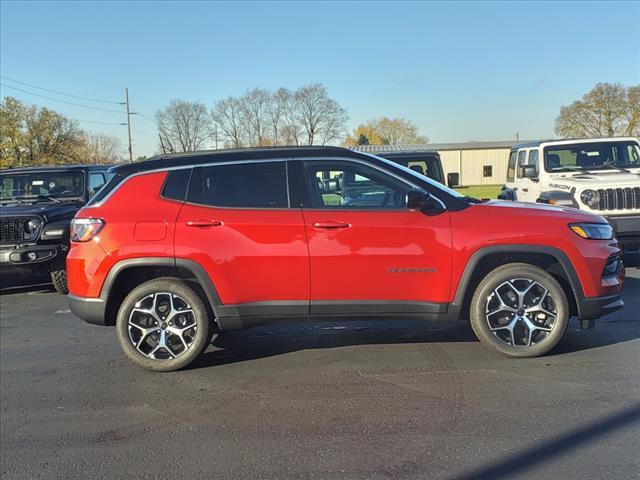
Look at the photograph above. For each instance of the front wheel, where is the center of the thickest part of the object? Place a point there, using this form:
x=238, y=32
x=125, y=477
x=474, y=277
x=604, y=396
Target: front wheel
x=520, y=311
x=163, y=325
x=59, y=281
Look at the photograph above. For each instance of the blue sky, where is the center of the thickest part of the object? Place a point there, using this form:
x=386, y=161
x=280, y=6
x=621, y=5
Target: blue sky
x=461, y=71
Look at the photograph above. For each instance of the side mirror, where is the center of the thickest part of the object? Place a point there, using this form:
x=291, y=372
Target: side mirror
x=453, y=179
x=529, y=171
x=420, y=200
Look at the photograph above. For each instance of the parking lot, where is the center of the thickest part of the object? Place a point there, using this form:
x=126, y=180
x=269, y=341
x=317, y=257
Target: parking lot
x=375, y=399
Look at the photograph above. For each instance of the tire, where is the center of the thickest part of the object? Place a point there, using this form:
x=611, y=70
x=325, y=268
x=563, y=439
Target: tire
x=59, y=280
x=519, y=326
x=160, y=345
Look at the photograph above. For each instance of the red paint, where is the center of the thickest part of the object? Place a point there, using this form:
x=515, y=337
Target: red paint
x=290, y=254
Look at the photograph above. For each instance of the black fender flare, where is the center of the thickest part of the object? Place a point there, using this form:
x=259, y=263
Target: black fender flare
x=457, y=305
x=507, y=193
x=185, y=269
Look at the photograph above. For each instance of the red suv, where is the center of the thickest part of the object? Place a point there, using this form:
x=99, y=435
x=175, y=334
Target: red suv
x=180, y=247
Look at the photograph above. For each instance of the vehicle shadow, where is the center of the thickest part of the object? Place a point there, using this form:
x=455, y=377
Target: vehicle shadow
x=550, y=448
x=12, y=284
x=279, y=339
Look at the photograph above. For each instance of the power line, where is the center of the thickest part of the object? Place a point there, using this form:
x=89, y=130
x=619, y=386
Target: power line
x=100, y=123
x=62, y=101
x=60, y=93
x=143, y=133
x=146, y=118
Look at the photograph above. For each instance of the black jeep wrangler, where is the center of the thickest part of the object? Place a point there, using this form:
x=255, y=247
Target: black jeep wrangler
x=36, y=207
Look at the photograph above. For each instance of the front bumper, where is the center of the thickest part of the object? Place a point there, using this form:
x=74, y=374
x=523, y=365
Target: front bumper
x=24, y=256
x=596, y=307
x=91, y=310
x=627, y=230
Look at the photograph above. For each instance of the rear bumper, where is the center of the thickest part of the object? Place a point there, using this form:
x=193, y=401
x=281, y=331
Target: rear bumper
x=91, y=310
x=596, y=307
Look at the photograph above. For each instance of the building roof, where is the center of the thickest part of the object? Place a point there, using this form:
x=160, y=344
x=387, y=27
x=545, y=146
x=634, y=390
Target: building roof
x=54, y=168
x=430, y=147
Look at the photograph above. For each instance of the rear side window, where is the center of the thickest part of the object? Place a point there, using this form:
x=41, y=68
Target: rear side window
x=245, y=185
x=511, y=169
x=176, y=183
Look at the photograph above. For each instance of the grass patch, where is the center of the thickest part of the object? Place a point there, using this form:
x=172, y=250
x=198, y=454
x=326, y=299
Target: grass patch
x=480, y=191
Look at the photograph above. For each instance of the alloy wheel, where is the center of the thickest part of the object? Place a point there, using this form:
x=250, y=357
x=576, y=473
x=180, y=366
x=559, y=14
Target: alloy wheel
x=521, y=312
x=162, y=326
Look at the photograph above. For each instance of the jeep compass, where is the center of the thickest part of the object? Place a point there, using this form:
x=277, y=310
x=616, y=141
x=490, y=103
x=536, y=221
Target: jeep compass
x=178, y=248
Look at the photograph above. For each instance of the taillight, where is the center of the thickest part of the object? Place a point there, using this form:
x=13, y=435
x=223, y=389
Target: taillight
x=84, y=229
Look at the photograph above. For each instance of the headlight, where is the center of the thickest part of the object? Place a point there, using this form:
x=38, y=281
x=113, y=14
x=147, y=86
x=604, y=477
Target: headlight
x=32, y=226
x=590, y=198
x=593, y=231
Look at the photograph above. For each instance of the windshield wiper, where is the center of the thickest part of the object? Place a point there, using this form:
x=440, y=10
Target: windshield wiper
x=38, y=197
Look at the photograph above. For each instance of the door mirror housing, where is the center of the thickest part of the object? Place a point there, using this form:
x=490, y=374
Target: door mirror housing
x=418, y=199
x=530, y=171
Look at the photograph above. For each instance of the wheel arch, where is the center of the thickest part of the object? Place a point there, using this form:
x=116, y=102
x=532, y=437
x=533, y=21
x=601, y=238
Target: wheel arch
x=484, y=260
x=127, y=274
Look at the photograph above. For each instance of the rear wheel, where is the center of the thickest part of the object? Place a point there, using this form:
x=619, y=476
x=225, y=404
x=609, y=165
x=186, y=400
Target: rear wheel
x=59, y=280
x=520, y=311
x=163, y=325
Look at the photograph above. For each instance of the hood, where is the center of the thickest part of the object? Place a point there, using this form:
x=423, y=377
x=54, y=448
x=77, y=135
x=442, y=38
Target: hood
x=50, y=211
x=539, y=209
x=600, y=179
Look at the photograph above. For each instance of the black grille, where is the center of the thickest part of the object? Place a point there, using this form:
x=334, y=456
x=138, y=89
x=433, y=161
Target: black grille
x=619, y=198
x=12, y=229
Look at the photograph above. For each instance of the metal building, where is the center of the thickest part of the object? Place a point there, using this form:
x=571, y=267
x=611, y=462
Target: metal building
x=478, y=163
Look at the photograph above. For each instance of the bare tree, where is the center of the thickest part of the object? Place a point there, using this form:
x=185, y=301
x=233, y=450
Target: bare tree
x=609, y=109
x=102, y=149
x=386, y=131
x=183, y=126
x=278, y=105
x=228, y=114
x=321, y=117
x=255, y=106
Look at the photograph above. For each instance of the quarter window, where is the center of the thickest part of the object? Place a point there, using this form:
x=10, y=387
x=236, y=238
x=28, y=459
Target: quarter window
x=243, y=185
x=347, y=185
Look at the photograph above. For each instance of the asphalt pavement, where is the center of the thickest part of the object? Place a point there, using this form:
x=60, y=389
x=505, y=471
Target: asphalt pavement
x=356, y=400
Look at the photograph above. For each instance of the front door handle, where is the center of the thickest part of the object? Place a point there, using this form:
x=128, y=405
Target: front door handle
x=331, y=225
x=203, y=223
x=525, y=189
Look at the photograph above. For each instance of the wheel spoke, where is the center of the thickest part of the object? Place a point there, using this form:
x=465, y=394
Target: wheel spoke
x=158, y=317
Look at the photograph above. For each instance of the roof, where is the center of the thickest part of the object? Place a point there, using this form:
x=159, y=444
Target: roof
x=43, y=168
x=159, y=162
x=561, y=141
x=430, y=147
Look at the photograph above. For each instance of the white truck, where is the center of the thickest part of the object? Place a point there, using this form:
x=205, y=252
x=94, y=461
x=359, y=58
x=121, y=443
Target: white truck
x=598, y=175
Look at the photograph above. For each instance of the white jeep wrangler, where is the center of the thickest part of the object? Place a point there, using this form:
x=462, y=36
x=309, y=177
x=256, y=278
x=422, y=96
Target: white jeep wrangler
x=598, y=175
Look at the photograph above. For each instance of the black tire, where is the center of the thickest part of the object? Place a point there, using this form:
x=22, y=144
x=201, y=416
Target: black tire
x=154, y=289
x=519, y=343
x=59, y=280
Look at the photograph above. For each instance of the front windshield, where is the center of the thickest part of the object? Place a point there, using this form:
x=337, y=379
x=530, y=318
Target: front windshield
x=52, y=184
x=592, y=156
x=420, y=177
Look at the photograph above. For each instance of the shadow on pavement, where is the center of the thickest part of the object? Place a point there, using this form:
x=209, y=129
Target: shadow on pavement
x=267, y=341
x=549, y=449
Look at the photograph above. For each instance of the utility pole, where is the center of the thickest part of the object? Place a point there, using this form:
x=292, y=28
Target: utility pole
x=126, y=94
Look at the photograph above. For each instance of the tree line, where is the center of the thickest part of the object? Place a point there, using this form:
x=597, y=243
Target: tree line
x=32, y=135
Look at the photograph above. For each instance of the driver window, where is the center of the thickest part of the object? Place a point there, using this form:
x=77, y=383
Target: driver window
x=341, y=184
x=533, y=160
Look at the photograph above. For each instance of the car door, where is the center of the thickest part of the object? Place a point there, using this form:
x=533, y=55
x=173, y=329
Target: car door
x=533, y=184
x=237, y=225
x=521, y=184
x=368, y=252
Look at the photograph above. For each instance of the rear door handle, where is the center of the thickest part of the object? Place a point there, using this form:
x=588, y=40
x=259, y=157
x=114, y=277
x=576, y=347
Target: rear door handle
x=204, y=223
x=331, y=225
